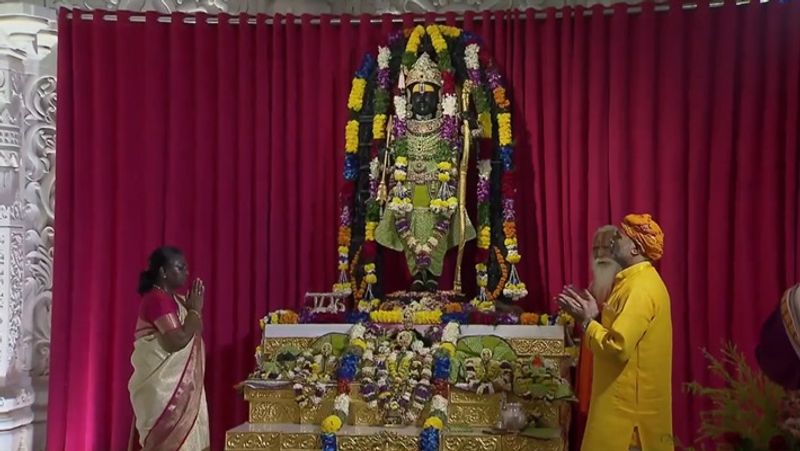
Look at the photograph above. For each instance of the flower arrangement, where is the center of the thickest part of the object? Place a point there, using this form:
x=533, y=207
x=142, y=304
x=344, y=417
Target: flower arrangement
x=498, y=251
x=355, y=103
x=540, y=379
x=279, y=317
x=345, y=374
x=312, y=373
x=430, y=436
x=750, y=412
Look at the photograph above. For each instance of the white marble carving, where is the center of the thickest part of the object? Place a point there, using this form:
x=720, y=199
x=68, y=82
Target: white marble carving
x=321, y=6
x=27, y=158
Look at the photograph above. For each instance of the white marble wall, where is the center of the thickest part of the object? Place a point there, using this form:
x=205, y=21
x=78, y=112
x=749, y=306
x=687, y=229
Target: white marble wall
x=27, y=160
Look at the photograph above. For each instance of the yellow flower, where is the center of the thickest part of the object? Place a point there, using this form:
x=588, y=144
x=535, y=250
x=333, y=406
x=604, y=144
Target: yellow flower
x=544, y=320
x=371, y=278
x=450, y=32
x=387, y=316
x=343, y=250
x=413, y=41
x=504, y=128
x=444, y=166
x=484, y=237
x=444, y=177
x=400, y=161
x=513, y=258
x=356, y=98
x=510, y=242
x=331, y=424
x=485, y=120
x=449, y=348
x=359, y=343
x=379, y=126
x=434, y=422
x=428, y=317
x=273, y=318
x=452, y=202
x=351, y=137
x=369, y=267
x=399, y=175
x=480, y=267
x=439, y=44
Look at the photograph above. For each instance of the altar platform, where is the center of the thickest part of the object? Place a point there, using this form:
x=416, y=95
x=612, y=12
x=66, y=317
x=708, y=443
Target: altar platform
x=277, y=423
x=296, y=437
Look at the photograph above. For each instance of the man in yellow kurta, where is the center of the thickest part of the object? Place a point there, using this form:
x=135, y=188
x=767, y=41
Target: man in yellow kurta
x=631, y=404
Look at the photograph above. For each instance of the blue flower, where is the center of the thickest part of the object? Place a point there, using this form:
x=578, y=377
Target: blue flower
x=468, y=36
x=355, y=317
x=429, y=440
x=460, y=318
x=348, y=366
x=505, y=157
x=350, y=167
x=329, y=442
x=441, y=367
x=366, y=66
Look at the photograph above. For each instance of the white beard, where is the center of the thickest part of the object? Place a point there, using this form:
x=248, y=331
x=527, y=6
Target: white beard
x=604, y=271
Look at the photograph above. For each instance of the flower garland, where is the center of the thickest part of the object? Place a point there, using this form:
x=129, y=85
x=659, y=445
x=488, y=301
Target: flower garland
x=279, y=317
x=430, y=436
x=355, y=103
x=346, y=373
x=510, y=285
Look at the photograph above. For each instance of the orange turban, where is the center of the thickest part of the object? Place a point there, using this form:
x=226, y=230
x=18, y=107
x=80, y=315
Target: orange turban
x=646, y=233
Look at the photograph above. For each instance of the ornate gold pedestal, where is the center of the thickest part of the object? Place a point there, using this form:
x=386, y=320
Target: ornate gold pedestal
x=294, y=437
x=277, y=423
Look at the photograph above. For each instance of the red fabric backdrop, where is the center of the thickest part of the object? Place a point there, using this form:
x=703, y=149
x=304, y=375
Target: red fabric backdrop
x=226, y=140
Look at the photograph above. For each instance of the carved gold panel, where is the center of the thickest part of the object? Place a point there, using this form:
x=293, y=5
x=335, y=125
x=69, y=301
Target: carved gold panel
x=519, y=443
x=474, y=414
x=315, y=414
x=385, y=441
x=538, y=346
x=466, y=397
x=256, y=394
x=363, y=415
x=475, y=443
x=275, y=412
x=263, y=441
x=300, y=441
x=270, y=345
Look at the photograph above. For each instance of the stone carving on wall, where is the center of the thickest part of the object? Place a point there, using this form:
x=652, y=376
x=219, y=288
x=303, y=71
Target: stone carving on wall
x=320, y=6
x=27, y=158
x=39, y=201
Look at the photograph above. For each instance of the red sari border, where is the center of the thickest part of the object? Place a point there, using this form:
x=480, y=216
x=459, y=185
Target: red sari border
x=180, y=414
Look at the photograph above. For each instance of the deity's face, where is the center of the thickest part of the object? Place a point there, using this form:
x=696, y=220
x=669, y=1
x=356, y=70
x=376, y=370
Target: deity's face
x=424, y=101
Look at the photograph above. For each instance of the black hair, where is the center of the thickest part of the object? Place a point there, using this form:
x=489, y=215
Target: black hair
x=158, y=259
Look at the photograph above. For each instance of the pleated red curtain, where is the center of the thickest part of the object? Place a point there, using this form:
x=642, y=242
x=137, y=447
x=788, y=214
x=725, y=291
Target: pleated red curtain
x=226, y=140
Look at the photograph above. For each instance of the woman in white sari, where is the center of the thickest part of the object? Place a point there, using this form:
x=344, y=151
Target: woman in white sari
x=166, y=388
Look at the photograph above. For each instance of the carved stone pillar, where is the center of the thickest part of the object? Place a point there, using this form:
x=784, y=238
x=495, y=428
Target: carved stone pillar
x=27, y=158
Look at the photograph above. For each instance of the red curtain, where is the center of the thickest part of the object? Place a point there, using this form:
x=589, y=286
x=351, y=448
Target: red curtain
x=226, y=140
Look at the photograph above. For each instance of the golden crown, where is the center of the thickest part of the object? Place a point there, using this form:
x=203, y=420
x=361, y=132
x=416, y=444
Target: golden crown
x=424, y=70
